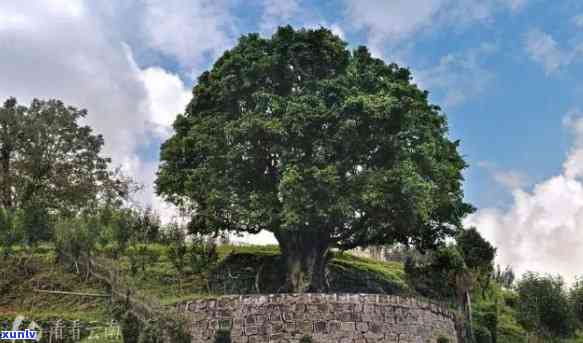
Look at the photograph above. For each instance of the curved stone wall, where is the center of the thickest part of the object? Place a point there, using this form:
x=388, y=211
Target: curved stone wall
x=345, y=318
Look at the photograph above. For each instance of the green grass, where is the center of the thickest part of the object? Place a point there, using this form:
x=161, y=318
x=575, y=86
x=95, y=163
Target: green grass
x=392, y=272
x=238, y=269
x=30, y=269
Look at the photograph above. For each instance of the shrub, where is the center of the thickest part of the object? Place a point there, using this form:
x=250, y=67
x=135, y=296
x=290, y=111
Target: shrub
x=180, y=334
x=177, y=249
x=490, y=322
x=75, y=236
x=10, y=230
x=576, y=299
x=543, y=306
x=130, y=328
x=150, y=333
x=482, y=335
x=36, y=224
x=203, y=254
x=223, y=336
x=442, y=339
x=306, y=339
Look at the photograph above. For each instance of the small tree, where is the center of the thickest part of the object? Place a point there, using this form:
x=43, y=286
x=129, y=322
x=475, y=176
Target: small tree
x=11, y=231
x=122, y=227
x=543, y=306
x=177, y=249
x=478, y=254
x=203, y=254
x=504, y=278
x=50, y=165
x=76, y=236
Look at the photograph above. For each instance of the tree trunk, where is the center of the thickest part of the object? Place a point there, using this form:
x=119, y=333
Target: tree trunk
x=305, y=256
x=468, y=314
x=5, y=156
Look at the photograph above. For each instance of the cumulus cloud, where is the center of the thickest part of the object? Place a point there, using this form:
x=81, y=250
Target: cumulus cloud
x=394, y=21
x=166, y=97
x=60, y=49
x=188, y=30
x=541, y=231
x=460, y=76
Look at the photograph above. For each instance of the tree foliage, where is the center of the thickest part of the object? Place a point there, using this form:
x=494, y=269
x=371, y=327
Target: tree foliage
x=50, y=164
x=576, y=298
x=319, y=145
x=504, y=278
x=543, y=306
x=11, y=231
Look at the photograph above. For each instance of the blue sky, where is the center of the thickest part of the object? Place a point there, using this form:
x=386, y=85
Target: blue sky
x=506, y=72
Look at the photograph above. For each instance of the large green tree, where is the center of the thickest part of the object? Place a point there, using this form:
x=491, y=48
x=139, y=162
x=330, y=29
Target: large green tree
x=50, y=164
x=321, y=146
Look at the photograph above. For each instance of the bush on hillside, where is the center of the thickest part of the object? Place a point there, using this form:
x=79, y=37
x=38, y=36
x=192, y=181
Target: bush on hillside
x=544, y=307
x=223, y=336
x=482, y=335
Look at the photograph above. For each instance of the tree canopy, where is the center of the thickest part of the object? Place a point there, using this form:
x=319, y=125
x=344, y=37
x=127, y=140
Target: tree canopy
x=50, y=164
x=544, y=306
x=322, y=146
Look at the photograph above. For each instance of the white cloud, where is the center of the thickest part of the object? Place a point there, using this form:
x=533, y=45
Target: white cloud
x=578, y=20
x=289, y=12
x=544, y=49
x=541, y=231
x=391, y=20
x=276, y=13
x=459, y=76
x=510, y=179
x=189, y=30
x=167, y=97
x=394, y=21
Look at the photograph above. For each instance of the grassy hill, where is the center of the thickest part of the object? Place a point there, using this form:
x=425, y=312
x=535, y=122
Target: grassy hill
x=25, y=273
x=239, y=270
x=256, y=269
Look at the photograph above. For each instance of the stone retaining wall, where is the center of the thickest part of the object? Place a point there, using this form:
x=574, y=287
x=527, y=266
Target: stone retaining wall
x=327, y=318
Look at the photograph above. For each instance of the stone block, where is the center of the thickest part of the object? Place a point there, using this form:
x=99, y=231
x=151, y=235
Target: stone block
x=276, y=327
x=334, y=326
x=345, y=316
x=362, y=326
x=277, y=338
x=257, y=339
x=321, y=327
x=226, y=324
x=288, y=316
x=260, y=319
x=347, y=326
x=305, y=326
x=290, y=327
x=251, y=330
